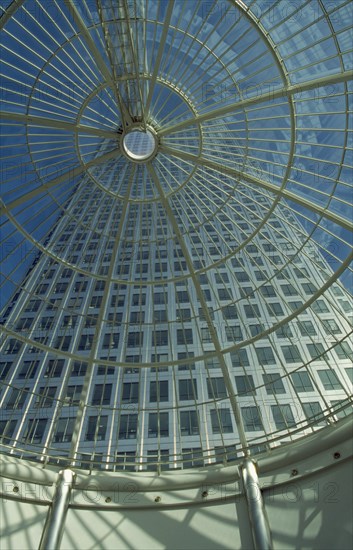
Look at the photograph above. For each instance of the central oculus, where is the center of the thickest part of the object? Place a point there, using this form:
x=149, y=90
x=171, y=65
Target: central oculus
x=139, y=145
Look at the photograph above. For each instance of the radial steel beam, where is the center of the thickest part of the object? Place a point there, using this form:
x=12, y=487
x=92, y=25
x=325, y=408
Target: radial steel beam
x=68, y=174
x=56, y=124
x=259, y=524
x=157, y=62
x=101, y=65
x=200, y=295
x=269, y=95
x=55, y=523
x=131, y=46
x=97, y=338
x=10, y=11
x=289, y=195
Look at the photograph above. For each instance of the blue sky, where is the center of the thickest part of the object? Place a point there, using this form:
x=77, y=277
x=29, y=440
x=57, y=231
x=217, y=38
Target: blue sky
x=60, y=84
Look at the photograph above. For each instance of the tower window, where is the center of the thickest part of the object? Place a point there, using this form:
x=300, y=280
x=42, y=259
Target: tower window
x=184, y=336
x=252, y=419
x=12, y=346
x=224, y=294
x=344, y=351
x=313, y=410
x=319, y=306
x=289, y=290
x=159, y=338
x=291, y=354
x=96, y=428
x=158, y=425
x=85, y=342
x=5, y=367
x=102, y=394
x=7, y=429
x=275, y=309
x=192, y=457
x=130, y=392
x=187, y=389
x=268, y=291
x=159, y=391
x=17, y=398
x=134, y=339
x=273, y=384
x=64, y=430
x=216, y=388
x=316, y=351
x=301, y=382
x=29, y=369
x=46, y=398
x=282, y=416
x=329, y=380
x=206, y=335
x=79, y=368
x=229, y=312
x=331, y=327
x=306, y=328
x=245, y=385
x=252, y=311
x=234, y=334
x=128, y=426
x=34, y=430
x=221, y=421
x=110, y=340
x=265, y=356
x=239, y=358
x=189, y=423
x=73, y=395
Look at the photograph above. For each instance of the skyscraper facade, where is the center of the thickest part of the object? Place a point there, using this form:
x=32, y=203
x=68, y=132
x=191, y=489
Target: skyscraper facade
x=142, y=358
x=183, y=306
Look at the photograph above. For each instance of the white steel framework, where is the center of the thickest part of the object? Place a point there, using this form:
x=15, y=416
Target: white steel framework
x=177, y=229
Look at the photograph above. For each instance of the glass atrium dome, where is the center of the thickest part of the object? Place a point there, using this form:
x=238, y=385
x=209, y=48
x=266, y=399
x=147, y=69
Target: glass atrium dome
x=176, y=228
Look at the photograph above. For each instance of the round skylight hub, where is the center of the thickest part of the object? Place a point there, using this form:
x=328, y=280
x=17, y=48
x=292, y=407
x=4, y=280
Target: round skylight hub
x=139, y=145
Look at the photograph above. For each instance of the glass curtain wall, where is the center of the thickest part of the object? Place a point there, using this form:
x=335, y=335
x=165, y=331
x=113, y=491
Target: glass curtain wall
x=176, y=229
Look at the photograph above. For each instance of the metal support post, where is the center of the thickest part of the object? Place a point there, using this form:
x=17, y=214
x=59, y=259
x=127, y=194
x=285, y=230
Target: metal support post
x=259, y=524
x=55, y=522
